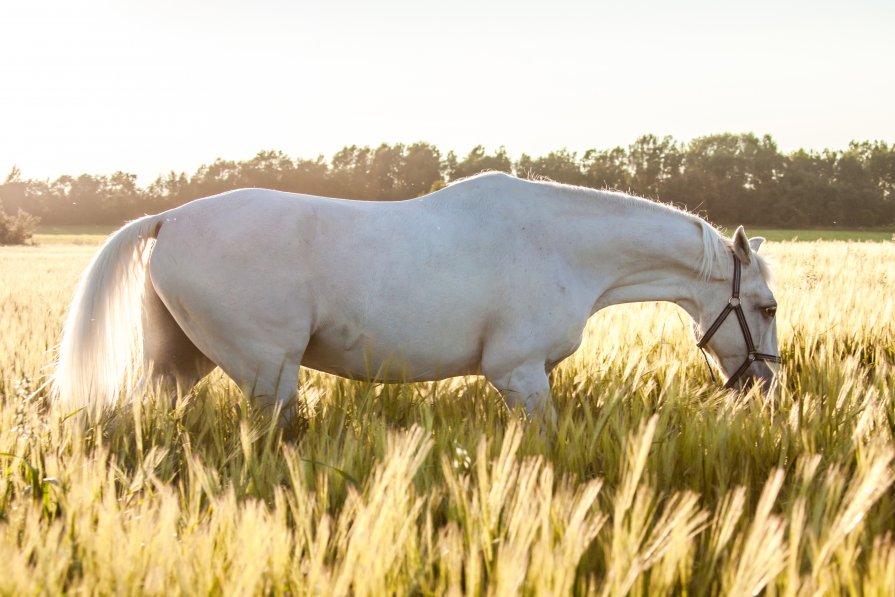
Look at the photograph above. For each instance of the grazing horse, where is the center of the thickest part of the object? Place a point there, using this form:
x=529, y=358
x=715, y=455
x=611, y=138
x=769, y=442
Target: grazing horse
x=492, y=275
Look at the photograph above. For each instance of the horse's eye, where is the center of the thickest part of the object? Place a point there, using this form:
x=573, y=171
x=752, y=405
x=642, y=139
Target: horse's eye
x=769, y=312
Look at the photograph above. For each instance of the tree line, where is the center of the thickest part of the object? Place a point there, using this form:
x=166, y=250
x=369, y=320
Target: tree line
x=729, y=178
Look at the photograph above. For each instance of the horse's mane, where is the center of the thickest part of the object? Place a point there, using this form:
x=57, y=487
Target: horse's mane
x=716, y=248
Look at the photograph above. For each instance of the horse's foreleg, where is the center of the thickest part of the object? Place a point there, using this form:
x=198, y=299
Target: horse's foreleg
x=275, y=390
x=525, y=386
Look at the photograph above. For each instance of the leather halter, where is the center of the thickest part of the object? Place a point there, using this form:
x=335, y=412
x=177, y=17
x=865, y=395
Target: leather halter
x=734, y=305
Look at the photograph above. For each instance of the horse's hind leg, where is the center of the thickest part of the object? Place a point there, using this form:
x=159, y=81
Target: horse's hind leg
x=170, y=359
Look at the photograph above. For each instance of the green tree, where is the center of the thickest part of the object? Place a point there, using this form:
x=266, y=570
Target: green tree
x=420, y=170
x=217, y=177
x=560, y=166
x=384, y=172
x=311, y=177
x=121, y=199
x=478, y=161
x=388, y=173
x=731, y=177
x=268, y=170
x=807, y=188
x=350, y=173
x=169, y=191
x=607, y=169
x=652, y=164
x=728, y=177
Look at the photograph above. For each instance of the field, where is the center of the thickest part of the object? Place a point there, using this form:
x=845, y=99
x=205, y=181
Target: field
x=72, y=235
x=810, y=234
x=654, y=482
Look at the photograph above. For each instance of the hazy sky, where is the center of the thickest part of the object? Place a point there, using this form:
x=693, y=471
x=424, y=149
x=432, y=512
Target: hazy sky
x=152, y=86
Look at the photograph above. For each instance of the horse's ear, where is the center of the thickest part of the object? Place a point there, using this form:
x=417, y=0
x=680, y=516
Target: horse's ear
x=755, y=242
x=741, y=246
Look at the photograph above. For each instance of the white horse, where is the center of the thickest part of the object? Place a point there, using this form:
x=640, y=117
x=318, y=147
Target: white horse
x=492, y=276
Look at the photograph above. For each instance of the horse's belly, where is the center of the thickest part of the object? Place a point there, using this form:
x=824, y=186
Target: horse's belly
x=393, y=357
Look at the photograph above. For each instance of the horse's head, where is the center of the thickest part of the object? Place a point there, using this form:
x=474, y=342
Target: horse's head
x=736, y=321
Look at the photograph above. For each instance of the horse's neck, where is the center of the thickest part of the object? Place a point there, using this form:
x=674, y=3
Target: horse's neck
x=655, y=256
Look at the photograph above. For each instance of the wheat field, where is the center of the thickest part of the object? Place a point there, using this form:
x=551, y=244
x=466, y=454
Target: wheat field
x=654, y=481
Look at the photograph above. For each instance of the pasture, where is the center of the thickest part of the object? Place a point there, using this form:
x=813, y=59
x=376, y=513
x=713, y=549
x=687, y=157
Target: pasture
x=654, y=482
x=812, y=234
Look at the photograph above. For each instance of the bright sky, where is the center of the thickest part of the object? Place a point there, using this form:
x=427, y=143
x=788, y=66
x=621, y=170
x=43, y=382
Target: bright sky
x=147, y=87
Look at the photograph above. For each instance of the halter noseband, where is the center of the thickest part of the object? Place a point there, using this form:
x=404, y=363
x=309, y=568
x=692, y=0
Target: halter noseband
x=734, y=305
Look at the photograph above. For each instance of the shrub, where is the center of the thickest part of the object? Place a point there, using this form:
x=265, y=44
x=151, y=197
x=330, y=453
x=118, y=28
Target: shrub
x=16, y=230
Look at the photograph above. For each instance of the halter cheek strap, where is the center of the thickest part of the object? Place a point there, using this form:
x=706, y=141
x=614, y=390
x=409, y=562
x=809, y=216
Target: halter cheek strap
x=734, y=305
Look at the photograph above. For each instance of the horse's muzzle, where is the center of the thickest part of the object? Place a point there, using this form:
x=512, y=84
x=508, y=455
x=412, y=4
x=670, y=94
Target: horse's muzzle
x=759, y=374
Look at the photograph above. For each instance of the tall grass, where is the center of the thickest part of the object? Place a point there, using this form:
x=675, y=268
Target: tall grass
x=653, y=482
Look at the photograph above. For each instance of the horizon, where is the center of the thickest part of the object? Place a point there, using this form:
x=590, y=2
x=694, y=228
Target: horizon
x=146, y=179
x=102, y=87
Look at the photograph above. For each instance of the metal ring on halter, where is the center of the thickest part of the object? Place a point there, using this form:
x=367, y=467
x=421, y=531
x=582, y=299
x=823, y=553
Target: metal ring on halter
x=734, y=304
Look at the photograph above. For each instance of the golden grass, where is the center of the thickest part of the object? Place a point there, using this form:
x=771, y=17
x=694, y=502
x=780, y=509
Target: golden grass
x=654, y=482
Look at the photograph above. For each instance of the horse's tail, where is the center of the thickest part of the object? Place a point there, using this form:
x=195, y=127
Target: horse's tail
x=102, y=341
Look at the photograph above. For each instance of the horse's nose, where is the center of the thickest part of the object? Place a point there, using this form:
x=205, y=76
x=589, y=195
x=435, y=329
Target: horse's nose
x=761, y=374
